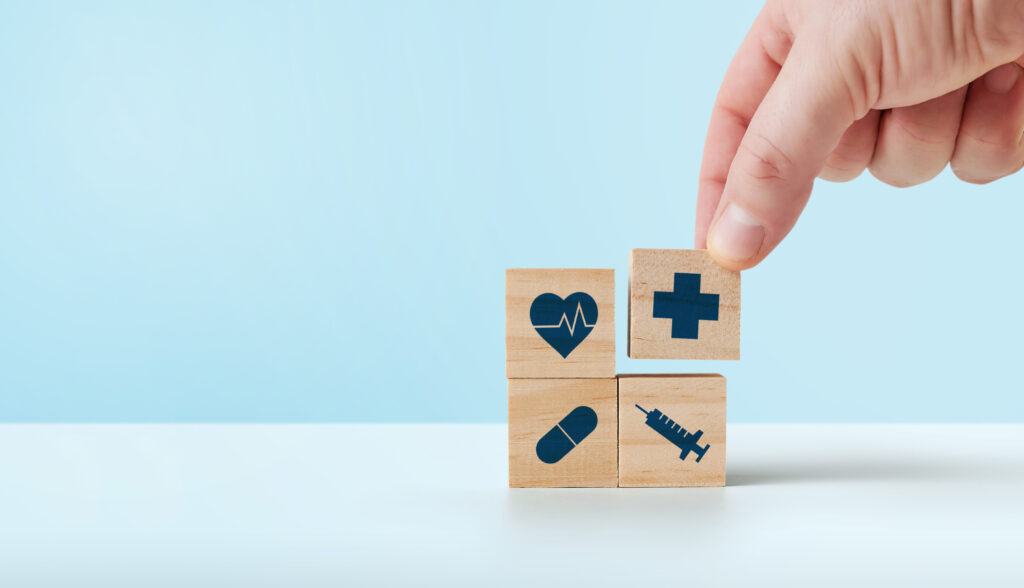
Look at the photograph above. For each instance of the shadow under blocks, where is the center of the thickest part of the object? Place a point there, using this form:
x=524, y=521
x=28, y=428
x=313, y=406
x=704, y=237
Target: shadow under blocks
x=572, y=421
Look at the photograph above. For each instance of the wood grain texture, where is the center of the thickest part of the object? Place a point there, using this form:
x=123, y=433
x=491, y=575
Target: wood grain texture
x=528, y=355
x=535, y=406
x=653, y=270
x=694, y=401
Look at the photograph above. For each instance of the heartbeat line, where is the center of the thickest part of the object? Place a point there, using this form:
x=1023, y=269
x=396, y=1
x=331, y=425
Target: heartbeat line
x=572, y=327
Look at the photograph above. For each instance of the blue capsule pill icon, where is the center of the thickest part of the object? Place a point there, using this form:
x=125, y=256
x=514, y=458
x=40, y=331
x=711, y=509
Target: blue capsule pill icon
x=567, y=434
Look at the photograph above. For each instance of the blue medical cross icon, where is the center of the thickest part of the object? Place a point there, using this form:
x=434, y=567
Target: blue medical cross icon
x=686, y=306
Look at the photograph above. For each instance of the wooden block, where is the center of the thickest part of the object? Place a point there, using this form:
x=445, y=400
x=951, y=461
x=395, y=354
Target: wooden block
x=548, y=440
x=560, y=323
x=682, y=305
x=684, y=421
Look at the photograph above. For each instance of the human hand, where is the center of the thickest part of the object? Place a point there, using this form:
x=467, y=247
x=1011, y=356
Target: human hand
x=828, y=88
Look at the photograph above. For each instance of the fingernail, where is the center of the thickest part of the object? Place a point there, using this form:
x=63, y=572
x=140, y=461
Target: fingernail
x=736, y=235
x=1002, y=79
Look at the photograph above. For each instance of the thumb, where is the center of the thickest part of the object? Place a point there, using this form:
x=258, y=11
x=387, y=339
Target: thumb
x=801, y=119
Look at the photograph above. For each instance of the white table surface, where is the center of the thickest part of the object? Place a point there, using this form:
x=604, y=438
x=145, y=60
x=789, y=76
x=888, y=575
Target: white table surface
x=414, y=505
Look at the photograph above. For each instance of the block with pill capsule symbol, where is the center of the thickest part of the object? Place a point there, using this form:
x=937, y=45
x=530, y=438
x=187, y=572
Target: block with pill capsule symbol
x=563, y=432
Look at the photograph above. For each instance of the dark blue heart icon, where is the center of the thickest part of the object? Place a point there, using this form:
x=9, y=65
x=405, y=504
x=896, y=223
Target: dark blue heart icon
x=564, y=324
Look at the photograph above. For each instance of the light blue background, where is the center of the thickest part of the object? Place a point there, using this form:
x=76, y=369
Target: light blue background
x=303, y=212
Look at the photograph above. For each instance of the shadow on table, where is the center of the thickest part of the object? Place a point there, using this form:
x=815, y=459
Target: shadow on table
x=845, y=470
x=618, y=507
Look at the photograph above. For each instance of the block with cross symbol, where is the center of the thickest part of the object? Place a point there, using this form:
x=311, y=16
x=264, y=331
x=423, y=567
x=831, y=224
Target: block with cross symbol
x=682, y=305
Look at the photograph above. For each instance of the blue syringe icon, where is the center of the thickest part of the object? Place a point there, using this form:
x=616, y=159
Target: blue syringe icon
x=675, y=433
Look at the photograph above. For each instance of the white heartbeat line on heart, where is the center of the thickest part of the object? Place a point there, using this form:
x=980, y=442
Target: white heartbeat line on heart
x=572, y=327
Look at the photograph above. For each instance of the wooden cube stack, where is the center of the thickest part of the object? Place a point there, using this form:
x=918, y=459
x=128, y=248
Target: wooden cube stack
x=572, y=421
x=559, y=357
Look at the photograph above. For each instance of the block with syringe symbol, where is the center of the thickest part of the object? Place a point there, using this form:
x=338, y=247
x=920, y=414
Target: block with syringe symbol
x=675, y=433
x=650, y=441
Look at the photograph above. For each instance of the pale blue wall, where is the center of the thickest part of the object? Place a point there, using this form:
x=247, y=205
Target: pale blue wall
x=238, y=211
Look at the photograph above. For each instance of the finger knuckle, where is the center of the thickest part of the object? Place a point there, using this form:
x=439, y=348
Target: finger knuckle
x=842, y=167
x=1000, y=141
x=986, y=168
x=837, y=175
x=997, y=26
x=765, y=160
x=923, y=130
x=984, y=157
x=899, y=176
x=974, y=176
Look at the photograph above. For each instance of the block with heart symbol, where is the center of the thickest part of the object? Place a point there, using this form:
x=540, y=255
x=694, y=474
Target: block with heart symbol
x=682, y=305
x=560, y=323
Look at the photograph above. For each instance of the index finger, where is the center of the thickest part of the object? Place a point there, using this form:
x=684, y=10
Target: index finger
x=747, y=80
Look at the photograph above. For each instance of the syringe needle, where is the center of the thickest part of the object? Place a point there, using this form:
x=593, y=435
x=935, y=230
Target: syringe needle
x=641, y=409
